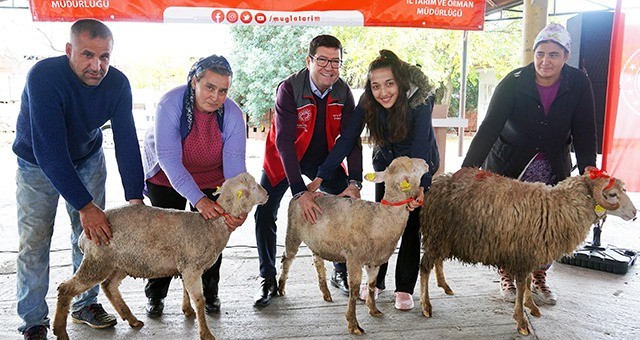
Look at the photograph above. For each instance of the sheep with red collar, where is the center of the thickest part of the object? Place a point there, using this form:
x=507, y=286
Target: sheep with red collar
x=480, y=217
x=150, y=242
x=356, y=232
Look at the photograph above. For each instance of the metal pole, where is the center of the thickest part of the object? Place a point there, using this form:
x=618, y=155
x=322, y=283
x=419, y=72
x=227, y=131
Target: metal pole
x=463, y=91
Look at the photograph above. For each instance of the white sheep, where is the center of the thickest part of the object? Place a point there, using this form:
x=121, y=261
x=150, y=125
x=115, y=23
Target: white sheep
x=358, y=232
x=150, y=242
x=480, y=217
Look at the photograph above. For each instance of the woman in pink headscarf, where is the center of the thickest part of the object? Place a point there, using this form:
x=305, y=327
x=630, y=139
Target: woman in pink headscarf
x=536, y=113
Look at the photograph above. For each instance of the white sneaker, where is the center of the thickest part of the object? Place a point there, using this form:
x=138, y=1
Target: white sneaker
x=404, y=301
x=540, y=292
x=364, y=292
x=507, y=287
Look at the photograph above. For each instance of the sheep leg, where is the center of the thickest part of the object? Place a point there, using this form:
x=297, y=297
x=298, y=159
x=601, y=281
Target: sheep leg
x=442, y=283
x=528, y=300
x=187, y=310
x=355, y=277
x=518, y=313
x=192, y=280
x=82, y=281
x=292, y=244
x=425, y=271
x=111, y=291
x=322, y=277
x=372, y=274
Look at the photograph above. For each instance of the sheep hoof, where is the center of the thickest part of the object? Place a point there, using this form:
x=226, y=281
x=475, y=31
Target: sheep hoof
x=523, y=330
x=427, y=314
x=281, y=292
x=136, y=324
x=61, y=336
x=327, y=298
x=189, y=312
x=377, y=313
x=357, y=330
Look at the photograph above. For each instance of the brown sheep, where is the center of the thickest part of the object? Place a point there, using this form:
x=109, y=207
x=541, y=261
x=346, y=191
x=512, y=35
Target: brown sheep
x=358, y=232
x=479, y=217
x=150, y=242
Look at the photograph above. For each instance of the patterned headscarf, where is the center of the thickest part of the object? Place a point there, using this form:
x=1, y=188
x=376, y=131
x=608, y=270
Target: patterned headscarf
x=214, y=63
x=556, y=33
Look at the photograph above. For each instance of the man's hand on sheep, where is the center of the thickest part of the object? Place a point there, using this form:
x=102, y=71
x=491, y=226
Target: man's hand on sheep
x=95, y=224
x=314, y=185
x=308, y=206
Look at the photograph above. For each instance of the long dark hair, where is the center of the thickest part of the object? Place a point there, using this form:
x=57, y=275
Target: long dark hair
x=397, y=125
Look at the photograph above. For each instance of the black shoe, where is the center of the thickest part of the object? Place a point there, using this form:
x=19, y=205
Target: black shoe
x=268, y=289
x=212, y=307
x=339, y=280
x=94, y=316
x=36, y=333
x=154, y=307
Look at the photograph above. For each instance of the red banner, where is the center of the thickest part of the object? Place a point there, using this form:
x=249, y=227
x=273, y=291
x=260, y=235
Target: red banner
x=449, y=14
x=621, y=142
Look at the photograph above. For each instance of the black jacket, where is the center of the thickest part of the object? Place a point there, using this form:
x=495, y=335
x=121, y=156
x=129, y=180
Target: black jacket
x=516, y=128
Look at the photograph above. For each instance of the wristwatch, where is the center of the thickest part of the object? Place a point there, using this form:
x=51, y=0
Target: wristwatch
x=357, y=184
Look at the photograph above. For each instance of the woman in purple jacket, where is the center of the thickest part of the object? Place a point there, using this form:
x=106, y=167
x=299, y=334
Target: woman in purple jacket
x=197, y=142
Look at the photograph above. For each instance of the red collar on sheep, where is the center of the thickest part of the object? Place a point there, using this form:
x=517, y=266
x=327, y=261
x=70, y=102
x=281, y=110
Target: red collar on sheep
x=395, y=204
x=593, y=174
x=224, y=214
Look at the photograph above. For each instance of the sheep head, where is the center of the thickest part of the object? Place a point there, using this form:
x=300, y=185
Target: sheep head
x=239, y=194
x=402, y=177
x=610, y=194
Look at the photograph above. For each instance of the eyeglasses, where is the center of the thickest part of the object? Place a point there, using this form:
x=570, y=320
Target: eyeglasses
x=322, y=62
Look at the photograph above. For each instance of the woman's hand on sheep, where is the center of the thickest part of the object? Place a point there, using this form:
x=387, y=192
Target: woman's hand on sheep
x=208, y=209
x=411, y=206
x=314, y=185
x=234, y=222
x=136, y=201
x=308, y=206
x=95, y=225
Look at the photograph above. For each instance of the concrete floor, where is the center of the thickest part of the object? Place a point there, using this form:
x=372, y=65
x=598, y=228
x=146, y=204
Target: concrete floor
x=591, y=305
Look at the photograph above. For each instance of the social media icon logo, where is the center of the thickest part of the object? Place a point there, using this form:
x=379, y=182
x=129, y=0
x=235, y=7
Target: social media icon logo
x=232, y=16
x=246, y=17
x=261, y=18
x=217, y=16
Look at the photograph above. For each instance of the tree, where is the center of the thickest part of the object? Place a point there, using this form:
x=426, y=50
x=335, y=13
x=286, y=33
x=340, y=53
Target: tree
x=262, y=57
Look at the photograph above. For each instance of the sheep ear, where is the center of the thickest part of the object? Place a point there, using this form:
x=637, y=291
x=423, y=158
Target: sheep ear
x=376, y=177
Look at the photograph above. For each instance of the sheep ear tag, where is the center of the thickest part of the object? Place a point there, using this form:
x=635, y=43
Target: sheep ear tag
x=239, y=194
x=370, y=176
x=217, y=192
x=404, y=185
x=599, y=210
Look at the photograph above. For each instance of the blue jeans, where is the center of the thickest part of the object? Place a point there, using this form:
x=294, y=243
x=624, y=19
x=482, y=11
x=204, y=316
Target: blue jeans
x=267, y=214
x=37, y=202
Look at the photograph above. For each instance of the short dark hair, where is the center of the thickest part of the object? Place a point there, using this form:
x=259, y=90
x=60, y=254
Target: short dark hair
x=95, y=28
x=324, y=40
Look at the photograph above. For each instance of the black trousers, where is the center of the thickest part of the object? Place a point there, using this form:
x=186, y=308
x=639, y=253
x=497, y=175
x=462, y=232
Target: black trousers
x=408, y=262
x=167, y=197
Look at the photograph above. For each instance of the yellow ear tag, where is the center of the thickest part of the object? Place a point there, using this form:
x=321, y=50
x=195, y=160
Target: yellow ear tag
x=404, y=185
x=370, y=176
x=599, y=210
x=239, y=195
x=217, y=190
